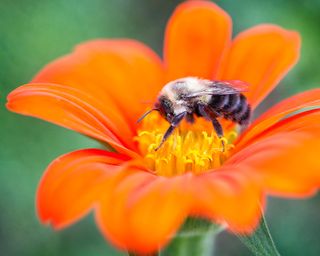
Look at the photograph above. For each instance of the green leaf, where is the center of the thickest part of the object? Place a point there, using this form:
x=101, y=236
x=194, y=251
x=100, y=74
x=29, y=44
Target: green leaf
x=260, y=242
x=196, y=237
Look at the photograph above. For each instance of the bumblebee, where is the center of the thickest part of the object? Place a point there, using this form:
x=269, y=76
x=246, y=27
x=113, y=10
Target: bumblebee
x=190, y=96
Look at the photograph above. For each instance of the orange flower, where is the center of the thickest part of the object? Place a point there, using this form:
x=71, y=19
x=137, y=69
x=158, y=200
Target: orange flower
x=141, y=196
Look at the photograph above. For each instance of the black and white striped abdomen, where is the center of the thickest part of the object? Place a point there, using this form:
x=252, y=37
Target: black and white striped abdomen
x=234, y=107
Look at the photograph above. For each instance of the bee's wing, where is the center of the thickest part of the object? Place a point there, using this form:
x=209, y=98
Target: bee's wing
x=220, y=88
x=237, y=85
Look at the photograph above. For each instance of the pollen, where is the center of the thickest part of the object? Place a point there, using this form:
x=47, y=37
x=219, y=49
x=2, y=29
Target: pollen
x=192, y=148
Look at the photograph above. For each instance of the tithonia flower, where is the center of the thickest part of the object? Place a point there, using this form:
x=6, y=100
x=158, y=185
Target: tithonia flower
x=141, y=196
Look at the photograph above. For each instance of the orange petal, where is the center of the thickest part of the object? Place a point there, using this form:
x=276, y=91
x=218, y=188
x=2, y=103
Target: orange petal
x=285, y=162
x=143, y=211
x=116, y=76
x=261, y=56
x=286, y=107
x=228, y=196
x=293, y=103
x=73, y=109
x=309, y=118
x=72, y=184
x=196, y=37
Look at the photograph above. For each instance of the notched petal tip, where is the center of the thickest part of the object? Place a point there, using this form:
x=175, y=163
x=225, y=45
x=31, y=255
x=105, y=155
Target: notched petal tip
x=261, y=56
x=196, y=38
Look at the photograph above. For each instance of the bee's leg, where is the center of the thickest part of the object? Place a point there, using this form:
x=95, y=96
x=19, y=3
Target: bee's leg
x=190, y=118
x=218, y=128
x=175, y=122
x=210, y=114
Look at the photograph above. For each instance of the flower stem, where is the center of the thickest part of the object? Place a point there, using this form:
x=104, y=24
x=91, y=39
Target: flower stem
x=197, y=237
x=260, y=242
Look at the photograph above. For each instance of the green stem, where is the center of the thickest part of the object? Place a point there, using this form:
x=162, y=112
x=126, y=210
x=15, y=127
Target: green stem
x=196, y=238
x=260, y=242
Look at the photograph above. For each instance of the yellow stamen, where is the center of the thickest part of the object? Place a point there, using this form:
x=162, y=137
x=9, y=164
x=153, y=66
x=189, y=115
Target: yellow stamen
x=191, y=148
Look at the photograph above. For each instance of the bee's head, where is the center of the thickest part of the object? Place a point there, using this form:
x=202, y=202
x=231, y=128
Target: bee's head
x=165, y=107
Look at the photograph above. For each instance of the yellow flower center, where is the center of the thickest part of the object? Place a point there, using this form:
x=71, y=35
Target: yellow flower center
x=191, y=147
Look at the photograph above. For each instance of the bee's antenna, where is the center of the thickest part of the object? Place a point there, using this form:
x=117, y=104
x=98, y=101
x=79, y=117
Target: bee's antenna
x=147, y=113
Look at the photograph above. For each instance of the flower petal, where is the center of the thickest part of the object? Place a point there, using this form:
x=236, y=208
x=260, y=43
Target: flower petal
x=143, y=211
x=116, y=76
x=228, y=196
x=299, y=101
x=72, y=184
x=261, y=56
x=195, y=39
x=73, y=109
x=285, y=162
x=286, y=107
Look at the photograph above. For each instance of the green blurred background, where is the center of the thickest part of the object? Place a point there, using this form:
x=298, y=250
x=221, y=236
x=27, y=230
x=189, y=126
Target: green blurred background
x=34, y=32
